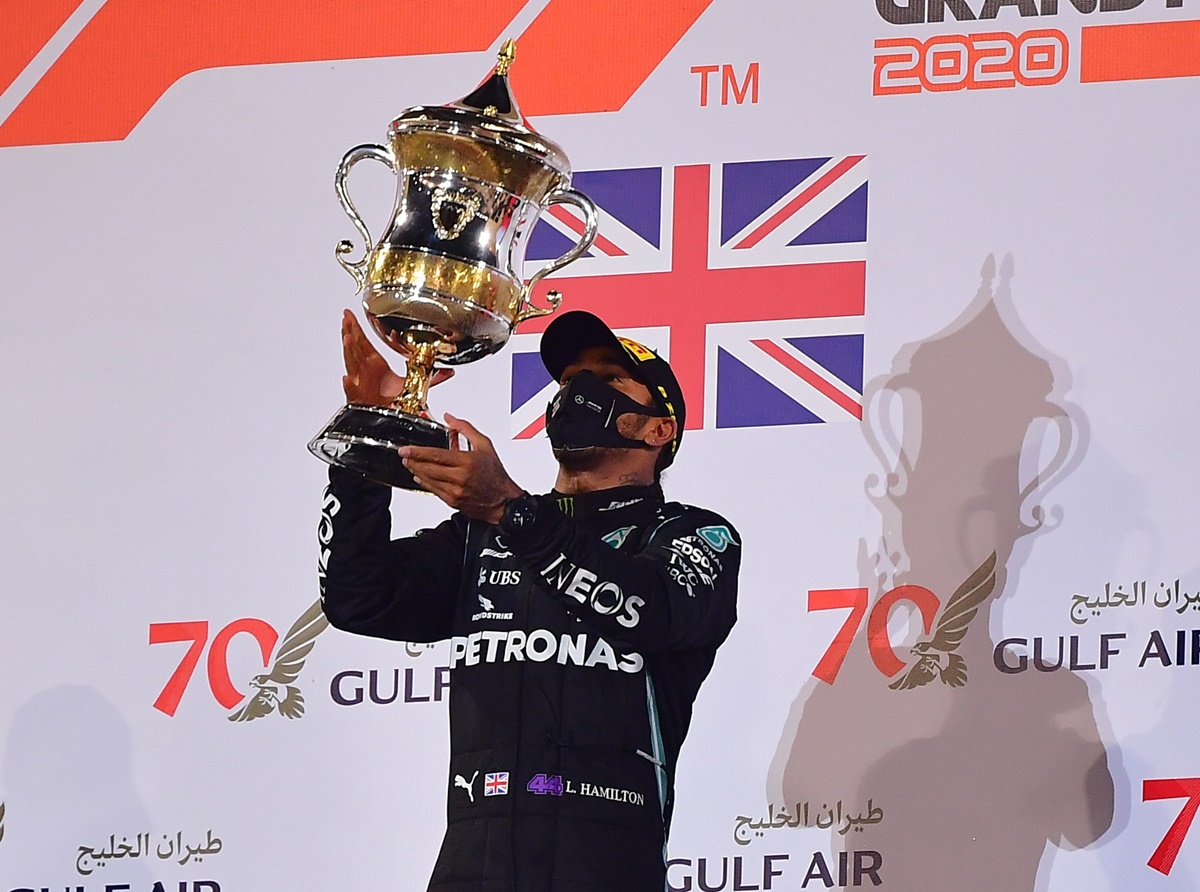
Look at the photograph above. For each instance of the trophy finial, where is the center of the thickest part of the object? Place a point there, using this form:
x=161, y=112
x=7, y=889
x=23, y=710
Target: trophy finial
x=508, y=52
x=494, y=96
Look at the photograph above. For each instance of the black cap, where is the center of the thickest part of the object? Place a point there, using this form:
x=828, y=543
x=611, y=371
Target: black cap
x=569, y=334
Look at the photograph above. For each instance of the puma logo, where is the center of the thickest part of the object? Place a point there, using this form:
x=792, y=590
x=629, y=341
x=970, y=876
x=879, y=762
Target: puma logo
x=460, y=781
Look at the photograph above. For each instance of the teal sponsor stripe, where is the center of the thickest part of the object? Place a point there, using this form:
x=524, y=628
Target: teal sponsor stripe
x=657, y=750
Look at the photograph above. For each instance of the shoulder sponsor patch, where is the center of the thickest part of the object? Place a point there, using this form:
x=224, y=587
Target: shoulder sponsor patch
x=718, y=537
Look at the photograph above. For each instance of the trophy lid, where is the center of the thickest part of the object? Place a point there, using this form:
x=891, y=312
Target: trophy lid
x=488, y=113
x=494, y=97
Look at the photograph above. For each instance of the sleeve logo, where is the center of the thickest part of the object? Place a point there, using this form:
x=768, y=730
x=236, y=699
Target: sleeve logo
x=719, y=537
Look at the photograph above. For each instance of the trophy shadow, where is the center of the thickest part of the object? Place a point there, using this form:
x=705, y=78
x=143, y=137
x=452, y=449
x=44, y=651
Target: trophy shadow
x=973, y=770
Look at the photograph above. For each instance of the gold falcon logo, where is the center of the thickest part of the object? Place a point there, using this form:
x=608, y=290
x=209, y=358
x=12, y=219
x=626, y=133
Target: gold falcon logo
x=935, y=656
x=289, y=660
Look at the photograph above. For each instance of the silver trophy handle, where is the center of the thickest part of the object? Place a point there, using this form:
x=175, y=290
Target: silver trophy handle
x=591, y=224
x=345, y=246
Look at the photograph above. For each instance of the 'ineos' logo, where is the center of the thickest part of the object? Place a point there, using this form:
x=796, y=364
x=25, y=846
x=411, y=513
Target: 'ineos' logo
x=603, y=596
x=606, y=598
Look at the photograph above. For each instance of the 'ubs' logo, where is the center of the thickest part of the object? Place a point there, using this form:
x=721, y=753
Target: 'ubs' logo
x=498, y=577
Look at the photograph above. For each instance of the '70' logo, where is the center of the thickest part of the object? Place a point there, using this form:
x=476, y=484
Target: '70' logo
x=273, y=689
x=1187, y=788
x=935, y=655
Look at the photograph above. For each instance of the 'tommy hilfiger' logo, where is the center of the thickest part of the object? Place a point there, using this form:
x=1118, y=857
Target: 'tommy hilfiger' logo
x=500, y=550
x=272, y=691
x=932, y=658
x=617, y=504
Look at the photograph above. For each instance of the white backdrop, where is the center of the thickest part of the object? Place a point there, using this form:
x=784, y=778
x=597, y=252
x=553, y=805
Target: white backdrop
x=1020, y=267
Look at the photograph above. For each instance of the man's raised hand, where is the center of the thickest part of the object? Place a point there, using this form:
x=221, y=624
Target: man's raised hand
x=369, y=380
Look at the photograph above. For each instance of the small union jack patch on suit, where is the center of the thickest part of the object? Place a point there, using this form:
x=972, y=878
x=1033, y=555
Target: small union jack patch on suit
x=495, y=784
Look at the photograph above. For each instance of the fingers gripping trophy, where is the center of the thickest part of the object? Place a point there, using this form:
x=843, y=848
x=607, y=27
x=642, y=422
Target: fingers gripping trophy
x=444, y=284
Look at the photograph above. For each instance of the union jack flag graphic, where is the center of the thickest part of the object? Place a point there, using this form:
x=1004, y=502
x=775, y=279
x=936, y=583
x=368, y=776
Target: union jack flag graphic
x=749, y=277
x=495, y=784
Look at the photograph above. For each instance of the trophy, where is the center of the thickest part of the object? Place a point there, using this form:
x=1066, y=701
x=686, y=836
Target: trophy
x=444, y=284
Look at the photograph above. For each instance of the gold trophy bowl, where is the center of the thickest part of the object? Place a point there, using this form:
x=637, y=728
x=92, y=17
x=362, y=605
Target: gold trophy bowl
x=444, y=284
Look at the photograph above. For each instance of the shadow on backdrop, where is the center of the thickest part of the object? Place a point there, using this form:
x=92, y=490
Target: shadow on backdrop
x=69, y=782
x=972, y=770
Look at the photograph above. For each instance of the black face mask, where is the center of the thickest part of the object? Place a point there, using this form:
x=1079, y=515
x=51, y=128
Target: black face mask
x=585, y=412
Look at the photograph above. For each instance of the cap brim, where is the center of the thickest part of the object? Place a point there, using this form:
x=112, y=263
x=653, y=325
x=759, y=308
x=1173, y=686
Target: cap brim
x=569, y=335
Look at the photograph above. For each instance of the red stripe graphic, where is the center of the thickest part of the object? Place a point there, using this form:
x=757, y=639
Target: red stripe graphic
x=811, y=377
x=534, y=429
x=798, y=202
x=1139, y=52
x=27, y=28
x=565, y=217
x=132, y=51
x=592, y=55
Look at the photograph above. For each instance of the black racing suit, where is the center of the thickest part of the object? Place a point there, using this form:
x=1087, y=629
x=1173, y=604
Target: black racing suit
x=578, y=644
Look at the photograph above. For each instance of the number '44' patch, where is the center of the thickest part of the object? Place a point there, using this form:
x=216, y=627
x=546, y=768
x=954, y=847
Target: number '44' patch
x=544, y=785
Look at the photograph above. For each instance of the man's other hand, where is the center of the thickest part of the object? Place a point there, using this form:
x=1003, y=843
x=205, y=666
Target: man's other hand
x=473, y=482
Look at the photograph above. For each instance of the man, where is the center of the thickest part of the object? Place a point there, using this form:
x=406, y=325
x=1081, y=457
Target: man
x=581, y=622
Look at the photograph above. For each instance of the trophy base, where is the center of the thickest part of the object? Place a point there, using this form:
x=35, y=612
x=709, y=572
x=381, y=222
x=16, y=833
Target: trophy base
x=365, y=439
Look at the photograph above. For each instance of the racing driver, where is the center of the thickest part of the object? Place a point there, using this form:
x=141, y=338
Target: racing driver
x=581, y=623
